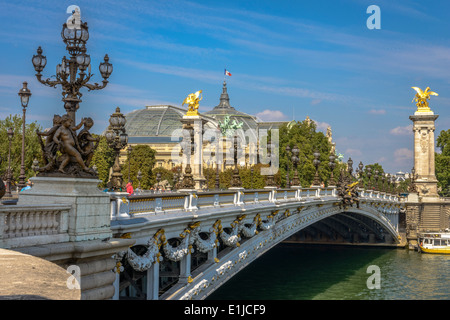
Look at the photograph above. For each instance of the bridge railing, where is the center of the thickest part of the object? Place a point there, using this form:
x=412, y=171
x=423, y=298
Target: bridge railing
x=124, y=206
x=25, y=225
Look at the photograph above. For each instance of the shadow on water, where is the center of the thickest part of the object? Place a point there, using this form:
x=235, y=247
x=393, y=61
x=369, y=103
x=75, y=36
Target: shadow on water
x=304, y=272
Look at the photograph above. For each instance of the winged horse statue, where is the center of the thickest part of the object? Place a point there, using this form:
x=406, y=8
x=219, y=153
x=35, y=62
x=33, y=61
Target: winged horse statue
x=421, y=98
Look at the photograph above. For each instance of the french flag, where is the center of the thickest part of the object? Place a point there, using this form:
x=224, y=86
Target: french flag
x=227, y=73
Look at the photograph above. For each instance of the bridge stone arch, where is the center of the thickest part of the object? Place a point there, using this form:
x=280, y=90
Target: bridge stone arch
x=246, y=235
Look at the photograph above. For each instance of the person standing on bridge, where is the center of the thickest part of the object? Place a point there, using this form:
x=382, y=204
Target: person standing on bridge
x=130, y=187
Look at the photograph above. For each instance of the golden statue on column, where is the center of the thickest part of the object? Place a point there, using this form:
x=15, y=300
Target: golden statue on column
x=192, y=101
x=421, y=98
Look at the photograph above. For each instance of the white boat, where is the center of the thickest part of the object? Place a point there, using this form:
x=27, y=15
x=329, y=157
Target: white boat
x=434, y=242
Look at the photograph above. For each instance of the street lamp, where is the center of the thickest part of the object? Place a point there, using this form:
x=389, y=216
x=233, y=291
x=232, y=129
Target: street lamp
x=236, y=180
x=129, y=163
x=369, y=175
x=360, y=172
x=116, y=139
x=350, y=167
x=139, y=177
x=316, y=163
x=288, y=153
x=24, y=94
x=332, y=165
x=8, y=194
x=70, y=73
x=295, y=160
x=270, y=180
x=73, y=74
x=376, y=179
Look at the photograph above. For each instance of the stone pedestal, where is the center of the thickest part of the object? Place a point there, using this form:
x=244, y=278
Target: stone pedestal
x=424, y=165
x=89, y=218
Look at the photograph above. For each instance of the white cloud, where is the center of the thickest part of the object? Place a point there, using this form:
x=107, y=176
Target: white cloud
x=403, y=154
x=377, y=111
x=353, y=152
x=271, y=115
x=323, y=126
x=402, y=131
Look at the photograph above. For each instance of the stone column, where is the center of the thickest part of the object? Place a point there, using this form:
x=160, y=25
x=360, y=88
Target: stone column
x=185, y=268
x=423, y=128
x=196, y=160
x=153, y=282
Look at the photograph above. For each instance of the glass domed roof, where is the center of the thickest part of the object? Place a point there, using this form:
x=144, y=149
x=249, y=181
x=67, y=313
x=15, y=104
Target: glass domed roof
x=158, y=121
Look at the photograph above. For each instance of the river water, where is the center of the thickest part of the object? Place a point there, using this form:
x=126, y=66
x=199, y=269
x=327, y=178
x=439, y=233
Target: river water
x=311, y=272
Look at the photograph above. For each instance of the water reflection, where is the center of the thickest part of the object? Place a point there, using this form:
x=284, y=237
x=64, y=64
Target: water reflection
x=295, y=272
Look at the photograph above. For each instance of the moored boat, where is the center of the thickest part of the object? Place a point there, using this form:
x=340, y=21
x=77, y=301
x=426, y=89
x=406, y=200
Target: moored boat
x=435, y=242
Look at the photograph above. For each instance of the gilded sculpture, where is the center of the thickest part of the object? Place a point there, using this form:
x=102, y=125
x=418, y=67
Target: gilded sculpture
x=421, y=98
x=192, y=101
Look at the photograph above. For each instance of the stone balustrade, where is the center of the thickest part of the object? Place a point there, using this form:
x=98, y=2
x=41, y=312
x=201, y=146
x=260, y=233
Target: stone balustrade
x=33, y=225
x=124, y=206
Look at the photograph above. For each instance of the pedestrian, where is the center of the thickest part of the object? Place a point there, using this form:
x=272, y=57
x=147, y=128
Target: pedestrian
x=28, y=186
x=130, y=187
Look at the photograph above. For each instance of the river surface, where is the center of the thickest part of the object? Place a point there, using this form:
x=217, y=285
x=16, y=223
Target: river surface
x=311, y=272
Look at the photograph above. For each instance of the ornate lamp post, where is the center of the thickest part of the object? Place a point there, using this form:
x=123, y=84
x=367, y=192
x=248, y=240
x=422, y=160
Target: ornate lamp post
x=117, y=139
x=73, y=74
x=217, y=176
x=70, y=73
x=360, y=171
x=369, y=176
x=236, y=180
x=350, y=167
x=187, y=146
x=376, y=176
x=412, y=184
x=316, y=163
x=332, y=165
x=24, y=95
x=158, y=178
x=129, y=163
x=295, y=160
x=270, y=181
x=8, y=194
x=288, y=153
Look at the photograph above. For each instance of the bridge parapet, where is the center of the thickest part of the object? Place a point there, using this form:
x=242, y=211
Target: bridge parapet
x=33, y=225
x=125, y=207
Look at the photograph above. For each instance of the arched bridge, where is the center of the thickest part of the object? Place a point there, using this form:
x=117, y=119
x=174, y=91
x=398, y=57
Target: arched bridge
x=189, y=244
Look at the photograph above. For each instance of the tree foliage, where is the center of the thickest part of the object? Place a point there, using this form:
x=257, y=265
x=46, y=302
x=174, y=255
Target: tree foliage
x=308, y=140
x=142, y=157
x=32, y=146
x=103, y=159
x=442, y=162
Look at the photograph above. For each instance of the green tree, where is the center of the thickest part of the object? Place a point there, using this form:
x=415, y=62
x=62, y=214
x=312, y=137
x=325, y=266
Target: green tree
x=442, y=162
x=103, y=159
x=374, y=167
x=308, y=140
x=165, y=175
x=32, y=146
x=142, y=157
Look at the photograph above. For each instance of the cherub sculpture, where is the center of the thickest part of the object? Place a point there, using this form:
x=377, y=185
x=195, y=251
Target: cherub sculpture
x=67, y=143
x=50, y=147
x=86, y=141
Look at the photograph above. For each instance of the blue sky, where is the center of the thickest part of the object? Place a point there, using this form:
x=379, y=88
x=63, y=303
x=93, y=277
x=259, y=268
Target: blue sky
x=288, y=59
